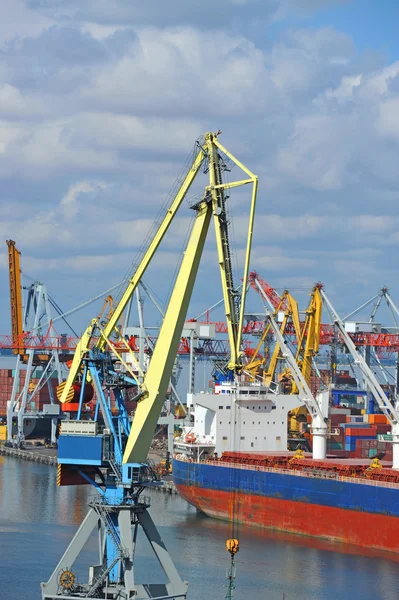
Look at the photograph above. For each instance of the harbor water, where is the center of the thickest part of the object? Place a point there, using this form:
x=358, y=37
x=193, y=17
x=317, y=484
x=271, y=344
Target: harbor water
x=37, y=521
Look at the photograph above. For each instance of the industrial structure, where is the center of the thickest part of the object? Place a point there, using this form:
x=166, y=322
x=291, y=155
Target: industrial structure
x=40, y=354
x=109, y=451
x=265, y=397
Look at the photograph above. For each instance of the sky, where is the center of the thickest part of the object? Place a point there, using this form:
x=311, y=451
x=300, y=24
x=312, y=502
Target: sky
x=101, y=102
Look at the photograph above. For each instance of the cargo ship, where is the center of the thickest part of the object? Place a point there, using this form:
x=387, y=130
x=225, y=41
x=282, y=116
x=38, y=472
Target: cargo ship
x=231, y=462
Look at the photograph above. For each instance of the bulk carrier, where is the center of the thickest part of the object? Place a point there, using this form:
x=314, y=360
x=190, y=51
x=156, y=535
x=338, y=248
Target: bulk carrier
x=232, y=463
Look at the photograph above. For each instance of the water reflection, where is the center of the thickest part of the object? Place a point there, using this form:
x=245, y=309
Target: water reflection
x=37, y=520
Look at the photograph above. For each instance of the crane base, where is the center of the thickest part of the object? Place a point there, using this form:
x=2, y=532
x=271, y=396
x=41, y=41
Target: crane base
x=113, y=577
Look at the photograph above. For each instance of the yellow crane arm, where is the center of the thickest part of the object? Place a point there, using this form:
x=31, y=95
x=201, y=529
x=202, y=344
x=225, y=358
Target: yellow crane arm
x=15, y=296
x=118, y=310
x=313, y=334
x=158, y=375
x=65, y=390
x=234, y=304
x=255, y=363
x=310, y=329
x=292, y=313
x=141, y=269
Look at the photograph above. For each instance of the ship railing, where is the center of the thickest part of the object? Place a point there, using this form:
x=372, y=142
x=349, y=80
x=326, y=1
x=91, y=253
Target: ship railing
x=318, y=474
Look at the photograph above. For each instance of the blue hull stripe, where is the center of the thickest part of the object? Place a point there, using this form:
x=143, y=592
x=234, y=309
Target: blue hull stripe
x=325, y=492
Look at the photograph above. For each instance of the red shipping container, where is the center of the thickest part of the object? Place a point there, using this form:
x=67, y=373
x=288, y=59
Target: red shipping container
x=360, y=431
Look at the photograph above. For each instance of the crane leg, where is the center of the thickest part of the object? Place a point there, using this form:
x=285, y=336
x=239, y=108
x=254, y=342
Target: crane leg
x=113, y=577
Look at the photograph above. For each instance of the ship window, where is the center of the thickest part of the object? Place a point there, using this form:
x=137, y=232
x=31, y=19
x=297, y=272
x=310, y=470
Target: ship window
x=242, y=437
x=220, y=407
x=220, y=422
x=274, y=422
x=225, y=437
x=253, y=422
x=229, y=422
x=278, y=438
x=258, y=422
x=244, y=422
x=268, y=423
x=256, y=438
x=227, y=407
x=253, y=408
x=252, y=444
x=264, y=438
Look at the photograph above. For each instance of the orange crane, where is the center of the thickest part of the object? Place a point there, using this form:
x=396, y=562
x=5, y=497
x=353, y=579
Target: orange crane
x=14, y=269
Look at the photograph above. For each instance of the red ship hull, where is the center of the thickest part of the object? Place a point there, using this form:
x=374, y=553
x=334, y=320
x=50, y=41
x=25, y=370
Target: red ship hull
x=380, y=532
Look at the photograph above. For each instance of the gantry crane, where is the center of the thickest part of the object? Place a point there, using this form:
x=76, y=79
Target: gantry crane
x=113, y=456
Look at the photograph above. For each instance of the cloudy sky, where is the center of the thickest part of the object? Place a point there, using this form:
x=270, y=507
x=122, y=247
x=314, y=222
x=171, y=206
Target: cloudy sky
x=101, y=102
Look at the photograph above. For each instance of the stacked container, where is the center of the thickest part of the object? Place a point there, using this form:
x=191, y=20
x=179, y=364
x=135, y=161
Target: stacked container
x=354, y=431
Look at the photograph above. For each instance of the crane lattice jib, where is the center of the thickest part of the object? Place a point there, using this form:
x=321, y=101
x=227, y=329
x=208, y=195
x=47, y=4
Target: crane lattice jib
x=223, y=248
x=270, y=292
x=15, y=296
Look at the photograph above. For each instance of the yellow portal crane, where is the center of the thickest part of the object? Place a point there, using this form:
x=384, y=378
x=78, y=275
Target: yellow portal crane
x=308, y=349
x=292, y=313
x=14, y=269
x=157, y=378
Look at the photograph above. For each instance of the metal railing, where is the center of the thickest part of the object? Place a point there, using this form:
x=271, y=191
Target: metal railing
x=316, y=475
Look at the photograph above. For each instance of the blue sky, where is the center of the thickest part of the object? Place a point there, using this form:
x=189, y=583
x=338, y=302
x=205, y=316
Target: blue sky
x=101, y=102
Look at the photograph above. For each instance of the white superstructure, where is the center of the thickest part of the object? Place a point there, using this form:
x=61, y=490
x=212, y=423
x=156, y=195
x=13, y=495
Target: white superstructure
x=245, y=418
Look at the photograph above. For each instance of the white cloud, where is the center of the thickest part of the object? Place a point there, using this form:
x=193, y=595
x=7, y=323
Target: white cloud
x=18, y=20
x=92, y=139
x=69, y=203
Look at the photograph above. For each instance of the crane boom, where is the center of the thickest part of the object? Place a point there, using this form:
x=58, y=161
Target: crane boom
x=138, y=274
x=310, y=329
x=291, y=312
x=14, y=269
x=157, y=377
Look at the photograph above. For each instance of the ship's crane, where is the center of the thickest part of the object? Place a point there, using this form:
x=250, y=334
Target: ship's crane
x=387, y=408
x=113, y=456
